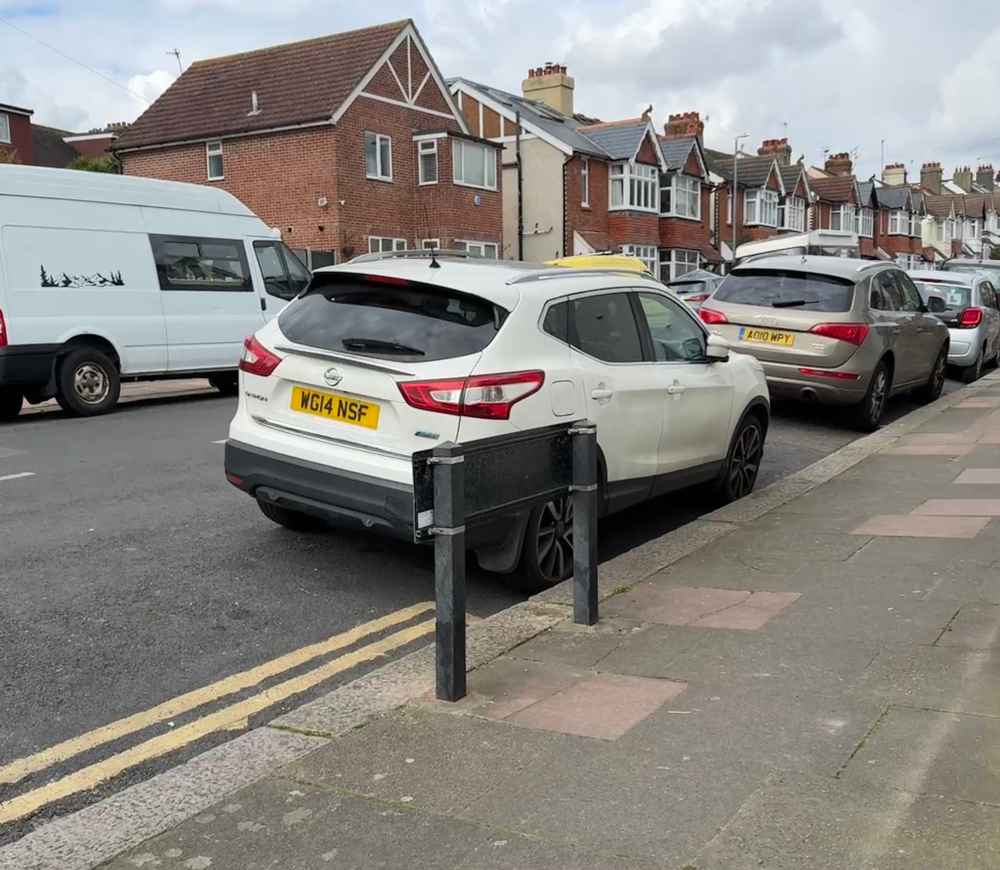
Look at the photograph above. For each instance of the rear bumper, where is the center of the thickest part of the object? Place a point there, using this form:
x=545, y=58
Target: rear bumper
x=340, y=497
x=964, y=346
x=788, y=382
x=26, y=365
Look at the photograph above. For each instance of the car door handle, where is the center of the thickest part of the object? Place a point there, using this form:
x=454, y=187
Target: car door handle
x=675, y=389
x=601, y=394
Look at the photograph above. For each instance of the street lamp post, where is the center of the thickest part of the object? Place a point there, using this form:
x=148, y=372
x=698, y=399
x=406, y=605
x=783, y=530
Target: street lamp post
x=736, y=175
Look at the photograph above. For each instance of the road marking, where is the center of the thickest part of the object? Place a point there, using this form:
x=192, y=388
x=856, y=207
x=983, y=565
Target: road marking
x=17, y=476
x=89, y=777
x=19, y=769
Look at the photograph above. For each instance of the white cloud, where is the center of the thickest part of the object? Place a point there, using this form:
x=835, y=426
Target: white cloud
x=150, y=85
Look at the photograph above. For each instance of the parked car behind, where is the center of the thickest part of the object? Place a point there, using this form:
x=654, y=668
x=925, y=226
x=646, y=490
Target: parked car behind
x=696, y=286
x=834, y=330
x=385, y=356
x=966, y=302
x=969, y=264
x=105, y=279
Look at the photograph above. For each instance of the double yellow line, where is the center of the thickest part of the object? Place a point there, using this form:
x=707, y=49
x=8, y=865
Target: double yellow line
x=228, y=717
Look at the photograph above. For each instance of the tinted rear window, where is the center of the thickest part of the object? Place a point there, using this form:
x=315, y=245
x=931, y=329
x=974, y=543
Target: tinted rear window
x=796, y=291
x=414, y=322
x=685, y=287
x=954, y=297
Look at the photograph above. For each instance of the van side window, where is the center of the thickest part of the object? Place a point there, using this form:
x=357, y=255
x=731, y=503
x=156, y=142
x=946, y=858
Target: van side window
x=190, y=263
x=284, y=274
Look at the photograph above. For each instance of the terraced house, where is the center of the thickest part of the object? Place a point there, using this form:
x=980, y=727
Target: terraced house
x=347, y=144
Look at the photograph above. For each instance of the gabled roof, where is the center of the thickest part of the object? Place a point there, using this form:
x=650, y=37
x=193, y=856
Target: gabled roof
x=895, y=197
x=49, y=149
x=865, y=190
x=836, y=188
x=717, y=160
x=790, y=175
x=623, y=139
x=676, y=152
x=751, y=171
x=296, y=83
x=976, y=205
x=543, y=121
x=940, y=207
x=918, y=200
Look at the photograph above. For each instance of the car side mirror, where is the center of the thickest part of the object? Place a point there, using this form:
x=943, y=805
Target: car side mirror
x=717, y=349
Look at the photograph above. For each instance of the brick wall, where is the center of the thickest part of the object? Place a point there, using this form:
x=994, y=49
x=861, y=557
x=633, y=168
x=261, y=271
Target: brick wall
x=689, y=234
x=20, y=139
x=743, y=233
x=633, y=228
x=895, y=244
x=592, y=222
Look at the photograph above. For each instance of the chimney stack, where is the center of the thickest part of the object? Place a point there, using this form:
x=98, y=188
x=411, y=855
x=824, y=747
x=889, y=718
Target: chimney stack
x=932, y=178
x=963, y=178
x=839, y=164
x=778, y=148
x=684, y=125
x=550, y=85
x=985, y=177
x=894, y=174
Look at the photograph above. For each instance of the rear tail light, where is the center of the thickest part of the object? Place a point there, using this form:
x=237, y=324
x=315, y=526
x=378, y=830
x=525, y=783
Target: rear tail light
x=489, y=397
x=710, y=315
x=699, y=297
x=970, y=318
x=257, y=359
x=3, y=331
x=832, y=375
x=852, y=333
x=236, y=480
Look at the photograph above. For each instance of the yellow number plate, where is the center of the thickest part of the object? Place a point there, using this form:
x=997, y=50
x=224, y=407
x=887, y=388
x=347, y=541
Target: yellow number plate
x=767, y=336
x=333, y=406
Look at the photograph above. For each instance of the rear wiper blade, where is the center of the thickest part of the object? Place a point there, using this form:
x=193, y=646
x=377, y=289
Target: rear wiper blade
x=379, y=345
x=790, y=303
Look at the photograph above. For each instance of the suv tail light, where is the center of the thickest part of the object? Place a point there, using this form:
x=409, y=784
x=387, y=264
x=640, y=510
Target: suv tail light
x=970, y=318
x=852, y=333
x=710, y=315
x=3, y=330
x=698, y=297
x=257, y=359
x=489, y=397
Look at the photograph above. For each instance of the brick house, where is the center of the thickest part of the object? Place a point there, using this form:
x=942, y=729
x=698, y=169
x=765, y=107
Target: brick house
x=760, y=193
x=25, y=142
x=900, y=225
x=347, y=143
x=15, y=135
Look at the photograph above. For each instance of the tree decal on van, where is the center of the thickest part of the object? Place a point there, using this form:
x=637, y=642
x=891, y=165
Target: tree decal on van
x=113, y=279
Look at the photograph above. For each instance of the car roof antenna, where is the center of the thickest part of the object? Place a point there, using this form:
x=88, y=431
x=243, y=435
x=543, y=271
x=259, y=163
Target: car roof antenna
x=434, y=263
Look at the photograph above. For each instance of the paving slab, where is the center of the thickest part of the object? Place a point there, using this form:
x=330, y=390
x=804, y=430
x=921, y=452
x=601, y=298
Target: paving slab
x=959, y=507
x=942, y=448
x=976, y=626
x=979, y=476
x=917, y=526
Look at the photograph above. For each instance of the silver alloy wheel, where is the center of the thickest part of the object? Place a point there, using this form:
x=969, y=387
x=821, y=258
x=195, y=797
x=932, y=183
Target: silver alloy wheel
x=879, y=389
x=91, y=383
x=745, y=461
x=554, y=540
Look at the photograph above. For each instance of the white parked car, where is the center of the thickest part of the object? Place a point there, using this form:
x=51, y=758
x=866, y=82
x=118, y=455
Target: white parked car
x=380, y=358
x=105, y=279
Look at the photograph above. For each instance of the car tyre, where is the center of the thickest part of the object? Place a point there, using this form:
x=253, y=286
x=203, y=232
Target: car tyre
x=742, y=462
x=547, y=551
x=868, y=415
x=88, y=382
x=932, y=390
x=227, y=384
x=11, y=401
x=296, y=521
x=971, y=374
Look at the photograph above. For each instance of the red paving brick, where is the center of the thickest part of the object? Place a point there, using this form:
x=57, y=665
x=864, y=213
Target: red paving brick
x=752, y=614
x=931, y=449
x=960, y=507
x=979, y=476
x=978, y=403
x=915, y=526
x=604, y=706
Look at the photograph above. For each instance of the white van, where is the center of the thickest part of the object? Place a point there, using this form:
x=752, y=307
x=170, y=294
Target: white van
x=823, y=243
x=105, y=279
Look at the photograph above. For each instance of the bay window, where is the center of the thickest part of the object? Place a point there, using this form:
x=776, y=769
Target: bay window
x=792, y=214
x=842, y=218
x=760, y=207
x=646, y=253
x=474, y=164
x=674, y=263
x=633, y=186
x=864, y=222
x=899, y=222
x=680, y=196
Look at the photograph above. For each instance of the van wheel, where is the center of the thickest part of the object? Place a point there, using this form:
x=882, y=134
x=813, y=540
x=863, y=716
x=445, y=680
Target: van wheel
x=11, y=401
x=294, y=520
x=868, y=415
x=88, y=383
x=547, y=553
x=228, y=385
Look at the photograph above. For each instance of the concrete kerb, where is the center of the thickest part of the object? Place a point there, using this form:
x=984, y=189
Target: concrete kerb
x=403, y=680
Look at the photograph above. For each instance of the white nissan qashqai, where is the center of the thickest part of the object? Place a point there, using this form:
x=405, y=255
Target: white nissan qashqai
x=385, y=356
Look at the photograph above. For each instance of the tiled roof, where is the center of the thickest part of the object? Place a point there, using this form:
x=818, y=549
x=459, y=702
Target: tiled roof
x=939, y=206
x=752, y=171
x=899, y=196
x=918, y=200
x=542, y=116
x=837, y=188
x=295, y=83
x=976, y=205
x=620, y=139
x=676, y=151
x=790, y=173
x=865, y=189
x=48, y=148
x=716, y=160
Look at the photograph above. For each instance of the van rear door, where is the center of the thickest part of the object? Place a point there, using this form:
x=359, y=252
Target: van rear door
x=209, y=303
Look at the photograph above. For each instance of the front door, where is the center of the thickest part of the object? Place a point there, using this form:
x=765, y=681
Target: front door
x=209, y=303
x=698, y=403
x=282, y=274
x=889, y=313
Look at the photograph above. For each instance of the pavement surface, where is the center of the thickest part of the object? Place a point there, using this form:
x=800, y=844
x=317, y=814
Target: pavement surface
x=140, y=588
x=816, y=686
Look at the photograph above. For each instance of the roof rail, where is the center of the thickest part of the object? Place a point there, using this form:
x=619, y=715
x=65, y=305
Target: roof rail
x=565, y=272
x=873, y=263
x=415, y=254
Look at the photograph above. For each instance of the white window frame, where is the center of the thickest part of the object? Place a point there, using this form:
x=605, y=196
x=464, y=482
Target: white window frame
x=792, y=214
x=5, y=134
x=459, y=147
x=214, y=149
x=763, y=205
x=649, y=255
x=430, y=244
x=672, y=260
x=844, y=216
x=864, y=222
x=380, y=173
x=424, y=149
x=684, y=190
x=899, y=222
x=585, y=182
x=639, y=181
x=375, y=244
x=471, y=245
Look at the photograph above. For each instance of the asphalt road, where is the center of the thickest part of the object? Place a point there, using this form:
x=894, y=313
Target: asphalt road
x=132, y=572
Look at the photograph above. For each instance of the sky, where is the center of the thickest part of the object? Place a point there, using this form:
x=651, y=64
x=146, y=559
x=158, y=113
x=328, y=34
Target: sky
x=831, y=75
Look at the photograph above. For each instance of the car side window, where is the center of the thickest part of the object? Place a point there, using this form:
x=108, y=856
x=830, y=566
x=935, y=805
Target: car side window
x=876, y=296
x=892, y=294
x=675, y=335
x=194, y=263
x=911, y=296
x=284, y=275
x=556, y=322
x=604, y=327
